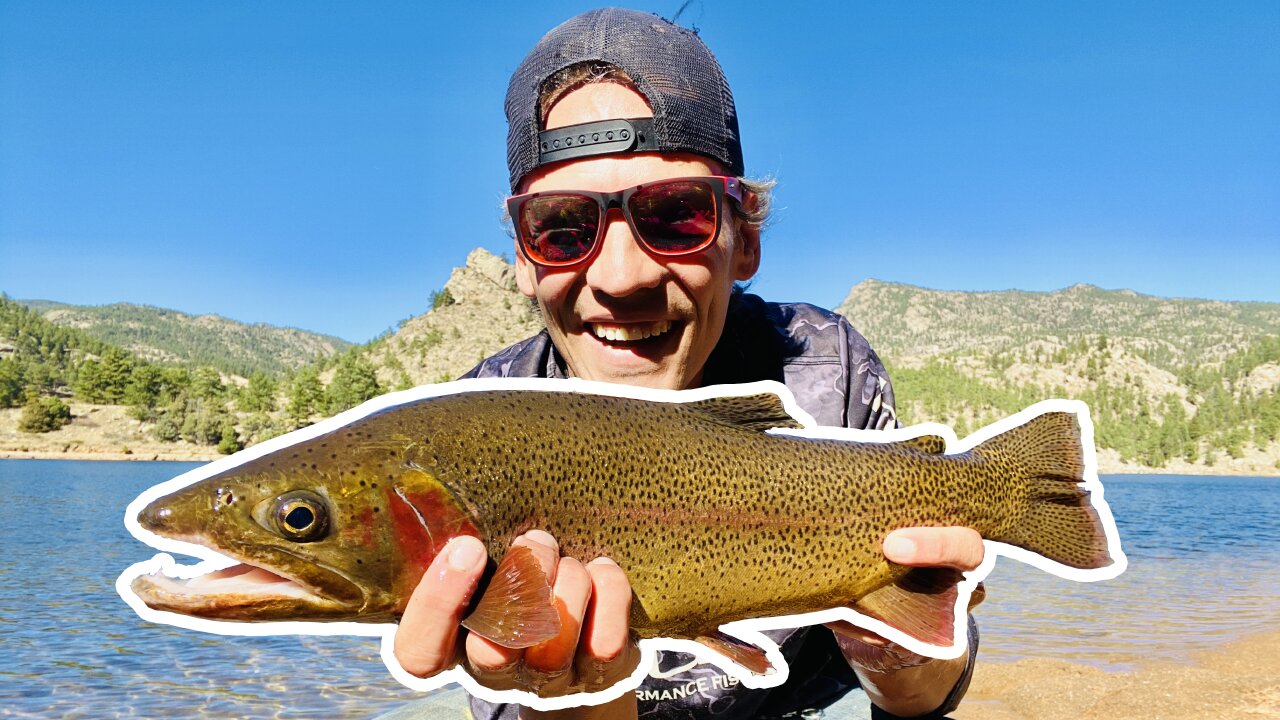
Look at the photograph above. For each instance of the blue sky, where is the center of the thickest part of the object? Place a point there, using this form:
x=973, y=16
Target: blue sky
x=325, y=165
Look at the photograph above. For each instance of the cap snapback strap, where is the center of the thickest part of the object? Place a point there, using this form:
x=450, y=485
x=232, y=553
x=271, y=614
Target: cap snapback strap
x=596, y=138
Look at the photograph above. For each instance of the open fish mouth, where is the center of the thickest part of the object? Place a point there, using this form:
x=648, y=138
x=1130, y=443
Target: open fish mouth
x=245, y=591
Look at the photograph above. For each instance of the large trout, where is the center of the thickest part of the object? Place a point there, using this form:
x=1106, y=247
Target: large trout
x=713, y=518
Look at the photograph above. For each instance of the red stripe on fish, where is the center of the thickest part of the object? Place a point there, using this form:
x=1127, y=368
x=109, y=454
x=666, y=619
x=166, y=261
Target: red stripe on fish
x=424, y=522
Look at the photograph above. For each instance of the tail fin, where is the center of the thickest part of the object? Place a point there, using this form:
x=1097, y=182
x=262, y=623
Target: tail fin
x=1060, y=522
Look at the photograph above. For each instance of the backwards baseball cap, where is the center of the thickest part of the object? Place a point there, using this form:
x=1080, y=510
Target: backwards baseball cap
x=693, y=108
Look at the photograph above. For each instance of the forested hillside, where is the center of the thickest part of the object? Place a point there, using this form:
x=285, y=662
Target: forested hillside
x=1186, y=385
x=172, y=337
x=1169, y=381
x=183, y=393
x=44, y=365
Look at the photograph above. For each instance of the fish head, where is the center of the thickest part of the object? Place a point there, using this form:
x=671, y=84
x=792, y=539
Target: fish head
x=343, y=538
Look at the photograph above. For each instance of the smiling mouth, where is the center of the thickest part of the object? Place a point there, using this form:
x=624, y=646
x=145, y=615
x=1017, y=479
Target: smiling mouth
x=616, y=333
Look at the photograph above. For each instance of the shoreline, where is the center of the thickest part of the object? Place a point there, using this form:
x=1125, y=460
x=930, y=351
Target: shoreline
x=181, y=454
x=116, y=456
x=107, y=432
x=1238, y=680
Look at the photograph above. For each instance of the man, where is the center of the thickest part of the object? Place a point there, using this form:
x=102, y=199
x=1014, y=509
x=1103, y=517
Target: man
x=632, y=227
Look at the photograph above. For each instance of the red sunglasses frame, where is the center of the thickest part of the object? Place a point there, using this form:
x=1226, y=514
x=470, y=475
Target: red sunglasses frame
x=720, y=186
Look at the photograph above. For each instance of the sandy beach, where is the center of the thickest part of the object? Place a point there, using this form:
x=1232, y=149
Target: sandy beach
x=1240, y=680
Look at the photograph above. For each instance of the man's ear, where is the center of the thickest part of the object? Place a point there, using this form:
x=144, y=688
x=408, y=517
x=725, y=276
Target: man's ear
x=746, y=249
x=526, y=279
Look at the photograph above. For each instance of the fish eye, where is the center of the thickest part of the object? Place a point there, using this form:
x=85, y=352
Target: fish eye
x=301, y=516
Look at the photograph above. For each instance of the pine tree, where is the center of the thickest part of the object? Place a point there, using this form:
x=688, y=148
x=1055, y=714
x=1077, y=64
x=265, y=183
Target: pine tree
x=229, y=441
x=305, y=395
x=143, y=391
x=206, y=384
x=11, y=383
x=354, y=381
x=259, y=395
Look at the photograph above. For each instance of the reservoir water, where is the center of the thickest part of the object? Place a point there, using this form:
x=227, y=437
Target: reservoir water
x=1204, y=569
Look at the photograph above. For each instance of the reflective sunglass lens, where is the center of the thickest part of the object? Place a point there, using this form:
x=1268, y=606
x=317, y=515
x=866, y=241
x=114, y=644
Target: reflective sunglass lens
x=559, y=228
x=675, y=217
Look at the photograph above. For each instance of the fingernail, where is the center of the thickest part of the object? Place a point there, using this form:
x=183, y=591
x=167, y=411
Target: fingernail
x=897, y=546
x=603, y=561
x=541, y=537
x=464, y=553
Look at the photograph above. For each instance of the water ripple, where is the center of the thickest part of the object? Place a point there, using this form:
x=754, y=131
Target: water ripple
x=1204, y=569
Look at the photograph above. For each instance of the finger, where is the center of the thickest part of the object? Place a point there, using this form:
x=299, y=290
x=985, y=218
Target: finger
x=548, y=664
x=545, y=549
x=427, y=636
x=606, y=652
x=572, y=591
x=955, y=547
x=496, y=666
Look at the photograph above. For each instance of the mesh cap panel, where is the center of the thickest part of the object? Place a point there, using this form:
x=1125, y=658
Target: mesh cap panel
x=693, y=108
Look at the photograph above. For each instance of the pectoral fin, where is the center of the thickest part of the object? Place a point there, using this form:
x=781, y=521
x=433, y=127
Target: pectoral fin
x=921, y=603
x=516, y=610
x=743, y=653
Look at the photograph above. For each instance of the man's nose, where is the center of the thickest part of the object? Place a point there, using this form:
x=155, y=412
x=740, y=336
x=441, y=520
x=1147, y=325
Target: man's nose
x=622, y=267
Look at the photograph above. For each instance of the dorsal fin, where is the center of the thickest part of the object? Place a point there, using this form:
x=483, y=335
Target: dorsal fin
x=932, y=444
x=752, y=412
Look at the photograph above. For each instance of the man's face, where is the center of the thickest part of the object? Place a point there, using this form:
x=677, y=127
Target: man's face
x=599, y=313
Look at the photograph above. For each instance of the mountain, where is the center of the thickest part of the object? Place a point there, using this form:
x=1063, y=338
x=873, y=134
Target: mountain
x=478, y=312
x=911, y=323
x=124, y=405
x=1176, y=383
x=1172, y=383
x=172, y=337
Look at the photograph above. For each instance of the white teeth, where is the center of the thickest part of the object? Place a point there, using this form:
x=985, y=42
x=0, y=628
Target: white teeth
x=630, y=332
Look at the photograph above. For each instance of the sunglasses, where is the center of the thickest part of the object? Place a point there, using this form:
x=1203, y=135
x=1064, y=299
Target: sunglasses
x=680, y=216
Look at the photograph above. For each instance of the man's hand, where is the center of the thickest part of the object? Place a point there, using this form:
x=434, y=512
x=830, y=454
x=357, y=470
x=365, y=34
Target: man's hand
x=593, y=651
x=896, y=679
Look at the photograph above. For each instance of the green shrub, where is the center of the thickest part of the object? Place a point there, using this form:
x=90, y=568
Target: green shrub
x=229, y=442
x=43, y=414
x=441, y=298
